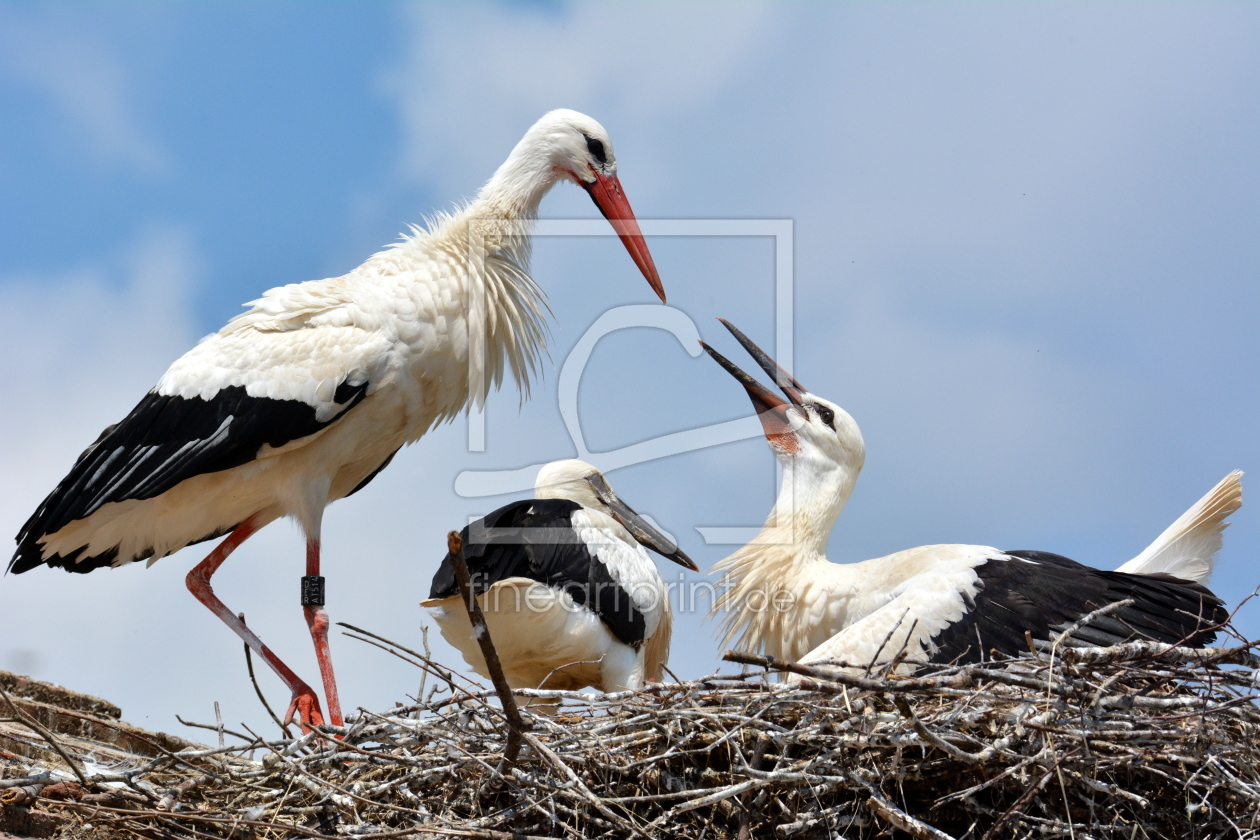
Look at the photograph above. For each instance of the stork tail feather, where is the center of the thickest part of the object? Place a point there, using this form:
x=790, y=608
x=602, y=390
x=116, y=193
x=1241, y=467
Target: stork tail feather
x=1188, y=548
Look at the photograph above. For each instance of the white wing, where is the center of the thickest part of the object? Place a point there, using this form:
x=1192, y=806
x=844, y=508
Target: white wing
x=925, y=605
x=298, y=343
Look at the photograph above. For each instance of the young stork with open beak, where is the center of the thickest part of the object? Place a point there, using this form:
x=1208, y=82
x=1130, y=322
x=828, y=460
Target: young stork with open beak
x=570, y=595
x=942, y=603
x=303, y=399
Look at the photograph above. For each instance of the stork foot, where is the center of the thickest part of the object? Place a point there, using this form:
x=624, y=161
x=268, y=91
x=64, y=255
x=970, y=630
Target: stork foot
x=304, y=708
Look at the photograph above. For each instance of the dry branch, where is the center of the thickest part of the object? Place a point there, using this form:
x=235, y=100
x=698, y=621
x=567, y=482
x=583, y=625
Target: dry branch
x=1132, y=741
x=481, y=631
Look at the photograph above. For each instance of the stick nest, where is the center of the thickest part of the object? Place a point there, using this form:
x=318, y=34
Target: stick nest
x=1141, y=740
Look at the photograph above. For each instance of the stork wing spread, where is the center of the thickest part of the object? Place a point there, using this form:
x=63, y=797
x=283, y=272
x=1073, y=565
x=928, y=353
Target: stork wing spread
x=534, y=539
x=236, y=397
x=1026, y=591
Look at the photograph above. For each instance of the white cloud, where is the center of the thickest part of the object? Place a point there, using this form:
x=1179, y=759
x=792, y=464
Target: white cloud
x=80, y=348
x=83, y=346
x=477, y=75
x=86, y=80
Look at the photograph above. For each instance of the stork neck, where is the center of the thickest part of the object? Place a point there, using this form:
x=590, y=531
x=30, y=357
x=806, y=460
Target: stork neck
x=518, y=186
x=789, y=555
x=485, y=251
x=807, y=507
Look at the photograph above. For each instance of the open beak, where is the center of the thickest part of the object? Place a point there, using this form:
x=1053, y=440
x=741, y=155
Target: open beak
x=639, y=527
x=772, y=410
x=793, y=389
x=608, y=196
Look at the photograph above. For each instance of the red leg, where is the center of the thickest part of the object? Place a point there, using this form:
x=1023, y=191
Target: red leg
x=317, y=621
x=305, y=702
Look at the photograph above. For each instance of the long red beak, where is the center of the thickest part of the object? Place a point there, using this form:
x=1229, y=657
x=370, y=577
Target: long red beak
x=608, y=196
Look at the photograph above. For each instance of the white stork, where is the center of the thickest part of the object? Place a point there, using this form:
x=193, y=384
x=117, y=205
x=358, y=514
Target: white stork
x=570, y=595
x=781, y=594
x=304, y=398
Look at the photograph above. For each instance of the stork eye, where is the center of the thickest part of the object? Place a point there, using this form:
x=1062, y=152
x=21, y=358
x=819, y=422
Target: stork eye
x=827, y=416
x=596, y=148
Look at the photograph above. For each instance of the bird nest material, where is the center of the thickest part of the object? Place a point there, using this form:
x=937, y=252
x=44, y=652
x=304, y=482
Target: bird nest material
x=1141, y=740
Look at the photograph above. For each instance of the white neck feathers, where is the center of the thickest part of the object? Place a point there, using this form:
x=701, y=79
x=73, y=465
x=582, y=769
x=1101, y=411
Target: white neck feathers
x=483, y=252
x=518, y=186
x=792, y=544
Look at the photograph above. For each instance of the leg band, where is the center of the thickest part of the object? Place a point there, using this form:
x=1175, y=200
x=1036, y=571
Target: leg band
x=313, y=590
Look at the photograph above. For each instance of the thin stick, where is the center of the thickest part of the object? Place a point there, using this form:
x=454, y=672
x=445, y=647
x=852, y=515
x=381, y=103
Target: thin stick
x=516, y=725
x=249, y=663
x=175, y=819
x=30, y=722
x=1024, y=798
x=958, y=679
x=1077, y=625
x=424, y=672
x=898, y=818
x=220, y=729
x=746, y=801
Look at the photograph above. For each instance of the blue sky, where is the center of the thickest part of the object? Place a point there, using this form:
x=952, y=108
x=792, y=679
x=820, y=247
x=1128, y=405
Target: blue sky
x=1025, y=258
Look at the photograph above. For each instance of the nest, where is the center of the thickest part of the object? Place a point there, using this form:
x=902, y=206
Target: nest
x=1140, y=740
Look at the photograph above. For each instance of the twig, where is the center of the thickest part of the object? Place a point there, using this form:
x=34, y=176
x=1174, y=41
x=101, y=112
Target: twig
x=220, y=729
x=516, y=725
x=249, y=664
x=35, y=725
x=218, y=722
x=887, y=639
x=959, y=679
x=425, y=662
x=1089, y=618
x=898, y=818
x=1024, y=799
x=1130, y=651
x=937, y=741
x=1077, y=625
x=745, y=814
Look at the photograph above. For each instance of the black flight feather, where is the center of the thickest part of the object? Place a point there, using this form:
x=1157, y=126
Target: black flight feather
x=163, y=441
x=1042, y=594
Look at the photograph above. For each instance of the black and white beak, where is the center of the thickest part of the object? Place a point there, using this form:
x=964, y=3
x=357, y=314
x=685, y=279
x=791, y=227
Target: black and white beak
x=772, y=410
x=639, y=528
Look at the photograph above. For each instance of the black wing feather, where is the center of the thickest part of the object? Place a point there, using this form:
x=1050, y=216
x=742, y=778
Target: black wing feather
x=163, y=441
x=1049, y=592
x=534, y=539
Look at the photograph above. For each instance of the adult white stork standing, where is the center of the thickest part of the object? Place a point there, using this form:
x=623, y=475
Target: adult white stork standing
x=570, y=595
x=782, y=596
x=304, y=398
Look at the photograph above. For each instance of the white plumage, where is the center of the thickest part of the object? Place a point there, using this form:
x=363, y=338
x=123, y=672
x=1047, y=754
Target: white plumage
x=1187, y=549
x=781, y=595
x=299, y=401
x=570, y=594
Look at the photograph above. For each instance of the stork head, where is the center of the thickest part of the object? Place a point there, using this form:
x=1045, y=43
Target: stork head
x=804, y=429
x=567, y=145
x=578, y=481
